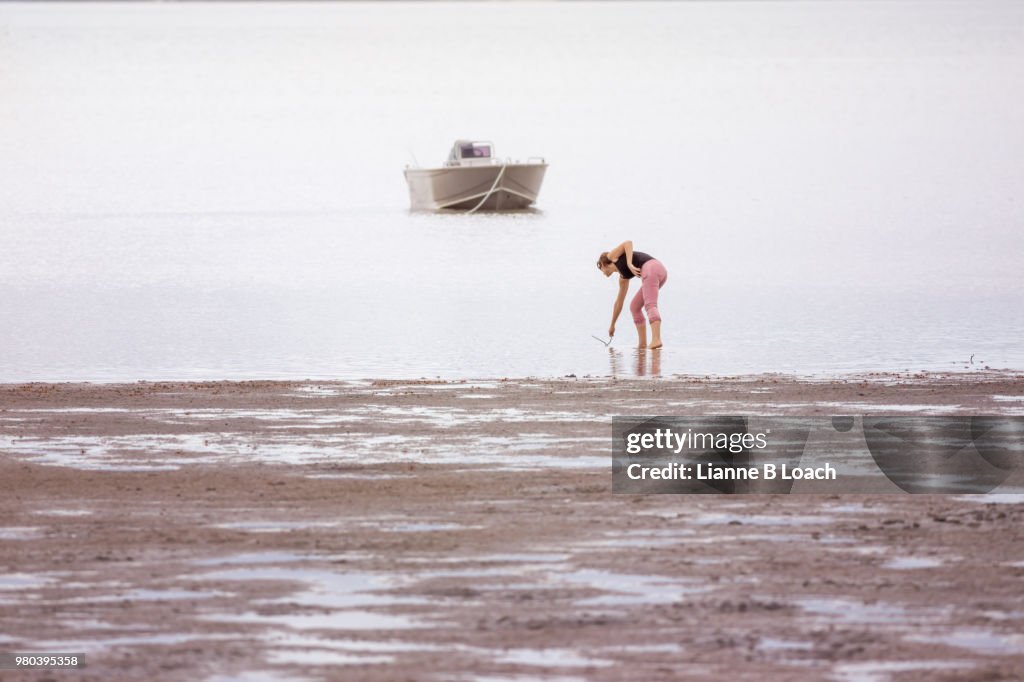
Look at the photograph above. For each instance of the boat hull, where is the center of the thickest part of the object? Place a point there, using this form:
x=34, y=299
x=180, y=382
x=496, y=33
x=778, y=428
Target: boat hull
x=495, y=187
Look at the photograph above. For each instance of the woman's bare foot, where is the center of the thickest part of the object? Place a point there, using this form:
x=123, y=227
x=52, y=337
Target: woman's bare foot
x=655, y=335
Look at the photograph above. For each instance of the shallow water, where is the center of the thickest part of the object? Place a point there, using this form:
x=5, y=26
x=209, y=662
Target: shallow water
x=345, y=596
x=977, y=641
x=259, y=676
x=912, y=563
x=849, y=611
x=551, y=658
x=21, y=581
x=628, y=589
x=883, y=671
x=830, y=185
x=164, y=452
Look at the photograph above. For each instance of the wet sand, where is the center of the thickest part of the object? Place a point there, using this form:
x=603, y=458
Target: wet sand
x=436, y=530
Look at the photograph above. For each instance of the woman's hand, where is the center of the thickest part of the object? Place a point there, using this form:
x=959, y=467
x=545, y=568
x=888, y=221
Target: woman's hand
x=611, y=331
x=632, y=268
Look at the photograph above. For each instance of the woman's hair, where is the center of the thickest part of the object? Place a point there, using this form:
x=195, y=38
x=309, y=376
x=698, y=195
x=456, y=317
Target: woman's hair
x=603, y=260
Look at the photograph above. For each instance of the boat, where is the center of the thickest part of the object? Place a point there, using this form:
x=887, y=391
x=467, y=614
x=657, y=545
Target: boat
x=474, y=179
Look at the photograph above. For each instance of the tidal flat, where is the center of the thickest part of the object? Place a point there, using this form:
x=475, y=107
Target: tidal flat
x=395, y=529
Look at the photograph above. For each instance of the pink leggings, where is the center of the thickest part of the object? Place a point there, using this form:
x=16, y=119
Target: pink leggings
x=653, y=276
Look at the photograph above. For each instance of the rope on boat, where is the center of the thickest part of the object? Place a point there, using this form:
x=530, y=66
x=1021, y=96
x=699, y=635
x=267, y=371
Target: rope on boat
x=491, y=190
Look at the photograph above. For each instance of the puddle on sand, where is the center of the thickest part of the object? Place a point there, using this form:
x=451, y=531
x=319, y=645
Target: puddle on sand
x=759, y=519
x=830, y=539
x=149, y=595
x=1003, y=615
x=862, y=550
x=849, y=611
x=882, y=671
x=250, y=558
x=912, y=562
x=978, y=641
x=20, y=533
x=90, y=645
x=63, y=512
x=629, y=589
x=553, y=658
x=107, y=453
x=327, y=589
x=21, y=581
x=855, y=407
x=993, y=498
x=300, y=418
x=774, y=644
x=259, y=676
x=449, y=417
x=644, y=648
x=650, y=538
x=320, y=589
x=337, y=620
x=368, y=475
x=86, y=624
x=159, y=452
x=421, y=527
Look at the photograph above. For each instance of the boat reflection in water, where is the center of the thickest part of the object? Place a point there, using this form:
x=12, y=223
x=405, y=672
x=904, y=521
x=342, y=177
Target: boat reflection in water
x=473, y=179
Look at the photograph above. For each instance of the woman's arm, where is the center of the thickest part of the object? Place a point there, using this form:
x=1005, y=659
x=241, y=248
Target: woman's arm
x=625, y=247
x=617, y=308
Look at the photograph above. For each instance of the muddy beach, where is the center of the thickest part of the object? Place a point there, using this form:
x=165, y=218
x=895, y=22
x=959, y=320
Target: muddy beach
x=420, y=530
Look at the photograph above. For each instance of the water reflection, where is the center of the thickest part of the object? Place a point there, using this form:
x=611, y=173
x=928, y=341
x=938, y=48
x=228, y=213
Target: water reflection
x=644, y=362
x=614, y=362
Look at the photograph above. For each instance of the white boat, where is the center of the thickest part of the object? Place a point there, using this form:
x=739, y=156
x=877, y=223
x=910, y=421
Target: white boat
x=474, y=179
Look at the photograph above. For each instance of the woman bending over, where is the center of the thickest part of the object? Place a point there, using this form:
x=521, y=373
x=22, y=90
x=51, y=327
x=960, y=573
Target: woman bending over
x=653, y=275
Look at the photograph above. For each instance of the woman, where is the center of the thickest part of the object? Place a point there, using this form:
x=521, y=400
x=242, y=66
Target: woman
x=652, y=273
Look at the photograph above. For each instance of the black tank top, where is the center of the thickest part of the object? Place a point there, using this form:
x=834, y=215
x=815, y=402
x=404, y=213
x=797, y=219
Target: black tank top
x=639, y=258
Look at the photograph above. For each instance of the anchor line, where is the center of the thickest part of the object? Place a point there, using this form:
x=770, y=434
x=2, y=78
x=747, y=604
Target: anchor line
x=491, y=190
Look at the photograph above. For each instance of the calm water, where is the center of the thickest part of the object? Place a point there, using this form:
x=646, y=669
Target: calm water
x=208, y=191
